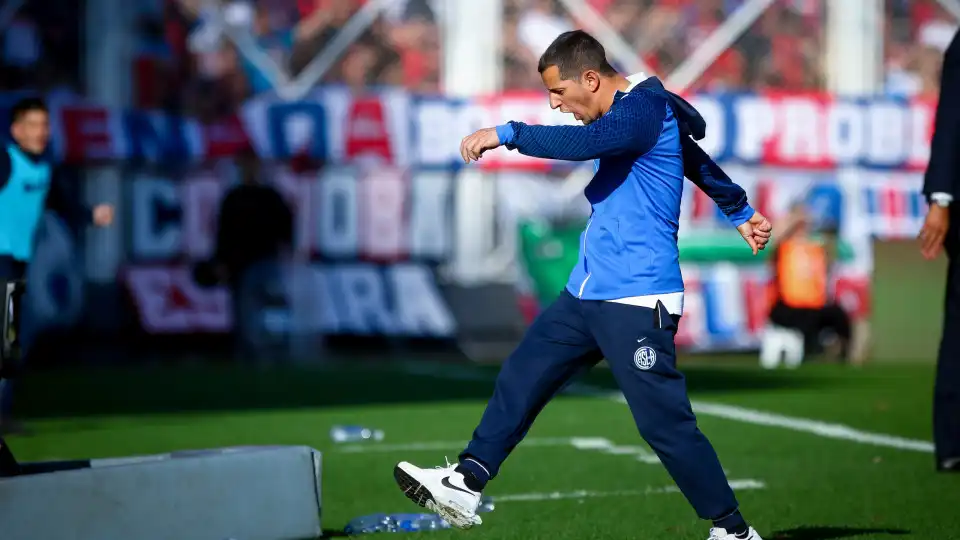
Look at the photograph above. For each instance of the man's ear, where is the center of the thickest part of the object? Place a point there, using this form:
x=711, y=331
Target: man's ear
x=590, y=79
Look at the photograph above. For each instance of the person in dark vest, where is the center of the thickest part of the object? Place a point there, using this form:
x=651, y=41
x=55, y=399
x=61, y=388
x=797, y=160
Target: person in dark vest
x=940, y=231
x=27, y=188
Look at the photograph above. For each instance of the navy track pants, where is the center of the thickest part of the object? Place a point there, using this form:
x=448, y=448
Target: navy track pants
x=570, y=337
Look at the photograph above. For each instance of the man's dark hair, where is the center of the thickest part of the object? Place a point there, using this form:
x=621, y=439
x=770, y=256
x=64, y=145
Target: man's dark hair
x=573, y=53
x=25, y=105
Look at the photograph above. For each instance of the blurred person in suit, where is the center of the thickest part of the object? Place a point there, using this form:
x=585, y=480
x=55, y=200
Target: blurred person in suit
x=254, y=234
x=28, y=185
x=940, y=232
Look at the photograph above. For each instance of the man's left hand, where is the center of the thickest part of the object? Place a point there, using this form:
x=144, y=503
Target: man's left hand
x=756, y=231
x=473, y=146
x=102, y=215
x=933, y=232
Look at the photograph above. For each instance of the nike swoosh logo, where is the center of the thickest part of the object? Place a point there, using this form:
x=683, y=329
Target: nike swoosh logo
x=640, y=340
x=446, y=483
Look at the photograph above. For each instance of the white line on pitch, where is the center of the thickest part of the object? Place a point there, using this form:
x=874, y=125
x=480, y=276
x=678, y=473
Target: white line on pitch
x=823, y=429
x=738, y=485
x=805, y=425
x=641, y=453
x=732, y=412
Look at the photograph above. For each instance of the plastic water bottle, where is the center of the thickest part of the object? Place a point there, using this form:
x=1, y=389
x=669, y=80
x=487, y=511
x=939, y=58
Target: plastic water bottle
x=375, y=523
x=344, y=434
x=368, y=524
x=418, y=522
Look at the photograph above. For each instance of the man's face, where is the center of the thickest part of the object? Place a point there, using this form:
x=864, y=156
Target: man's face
x=32, y=131
x=575, y=97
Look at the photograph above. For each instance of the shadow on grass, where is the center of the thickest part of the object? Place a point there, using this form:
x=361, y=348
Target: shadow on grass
x=832, y=533
x=174, y=389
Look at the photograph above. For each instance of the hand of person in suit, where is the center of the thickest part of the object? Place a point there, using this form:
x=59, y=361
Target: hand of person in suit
x=934, y=231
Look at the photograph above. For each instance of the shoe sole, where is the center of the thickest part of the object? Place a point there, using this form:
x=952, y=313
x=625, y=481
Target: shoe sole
x=419, y=494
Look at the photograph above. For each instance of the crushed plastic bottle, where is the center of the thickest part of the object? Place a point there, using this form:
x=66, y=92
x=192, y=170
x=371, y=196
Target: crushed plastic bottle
x=395, y=523
x=418, y=522
x=344, y=434
x=486, y=504
x=368, y=524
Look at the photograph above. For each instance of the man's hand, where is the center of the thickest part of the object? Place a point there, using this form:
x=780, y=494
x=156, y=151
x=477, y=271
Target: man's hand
x=102, y=215
x=756, y=231
x=473, y=146
x=934, y=230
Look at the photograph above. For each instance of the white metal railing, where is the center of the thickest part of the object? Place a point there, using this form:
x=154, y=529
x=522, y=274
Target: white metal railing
x=300, y=86
x=288, y=86
x=242, y=39
x=716, y=43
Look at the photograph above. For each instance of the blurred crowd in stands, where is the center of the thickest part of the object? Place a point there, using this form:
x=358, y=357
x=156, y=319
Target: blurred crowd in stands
x=202, y=71
x=185, y=62
x=783, y=50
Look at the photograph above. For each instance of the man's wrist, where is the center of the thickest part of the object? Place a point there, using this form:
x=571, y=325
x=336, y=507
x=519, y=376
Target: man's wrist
x=505, y=133
x=741, y=216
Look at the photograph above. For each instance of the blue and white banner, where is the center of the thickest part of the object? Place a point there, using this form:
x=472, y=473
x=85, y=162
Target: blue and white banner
x=395, y=127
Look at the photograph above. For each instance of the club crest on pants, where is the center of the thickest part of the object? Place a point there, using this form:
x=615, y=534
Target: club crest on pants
x=645, y=358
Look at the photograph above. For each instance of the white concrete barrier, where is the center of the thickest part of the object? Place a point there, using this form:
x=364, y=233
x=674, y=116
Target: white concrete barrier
x=244, y=493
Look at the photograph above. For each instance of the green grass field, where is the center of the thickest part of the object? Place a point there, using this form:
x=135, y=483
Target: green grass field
x=806, y=485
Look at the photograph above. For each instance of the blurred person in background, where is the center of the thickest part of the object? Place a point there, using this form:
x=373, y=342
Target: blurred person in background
x=800, y=284
x=940, y=231
x=27, y=186
x=254, y=234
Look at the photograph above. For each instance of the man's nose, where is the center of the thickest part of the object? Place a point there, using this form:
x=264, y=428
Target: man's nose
x=554, y=102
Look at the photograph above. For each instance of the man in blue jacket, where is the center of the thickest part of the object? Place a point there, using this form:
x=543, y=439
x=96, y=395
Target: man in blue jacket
x=624, y=299
x=27, y=187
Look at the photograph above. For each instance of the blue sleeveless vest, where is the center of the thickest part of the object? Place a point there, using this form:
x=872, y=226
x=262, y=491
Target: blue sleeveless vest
x=21, y=203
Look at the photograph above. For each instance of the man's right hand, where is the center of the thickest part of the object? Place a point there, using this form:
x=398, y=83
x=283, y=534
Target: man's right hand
x=474, y=145
x=756, y=231
x=934, y=231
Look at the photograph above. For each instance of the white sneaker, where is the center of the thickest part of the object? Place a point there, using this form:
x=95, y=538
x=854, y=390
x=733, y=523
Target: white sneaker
x=717, y=533
x=441, y=490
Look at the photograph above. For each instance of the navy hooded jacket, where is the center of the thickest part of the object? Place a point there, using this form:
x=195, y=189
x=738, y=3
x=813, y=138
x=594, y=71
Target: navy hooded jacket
x=643, y=147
